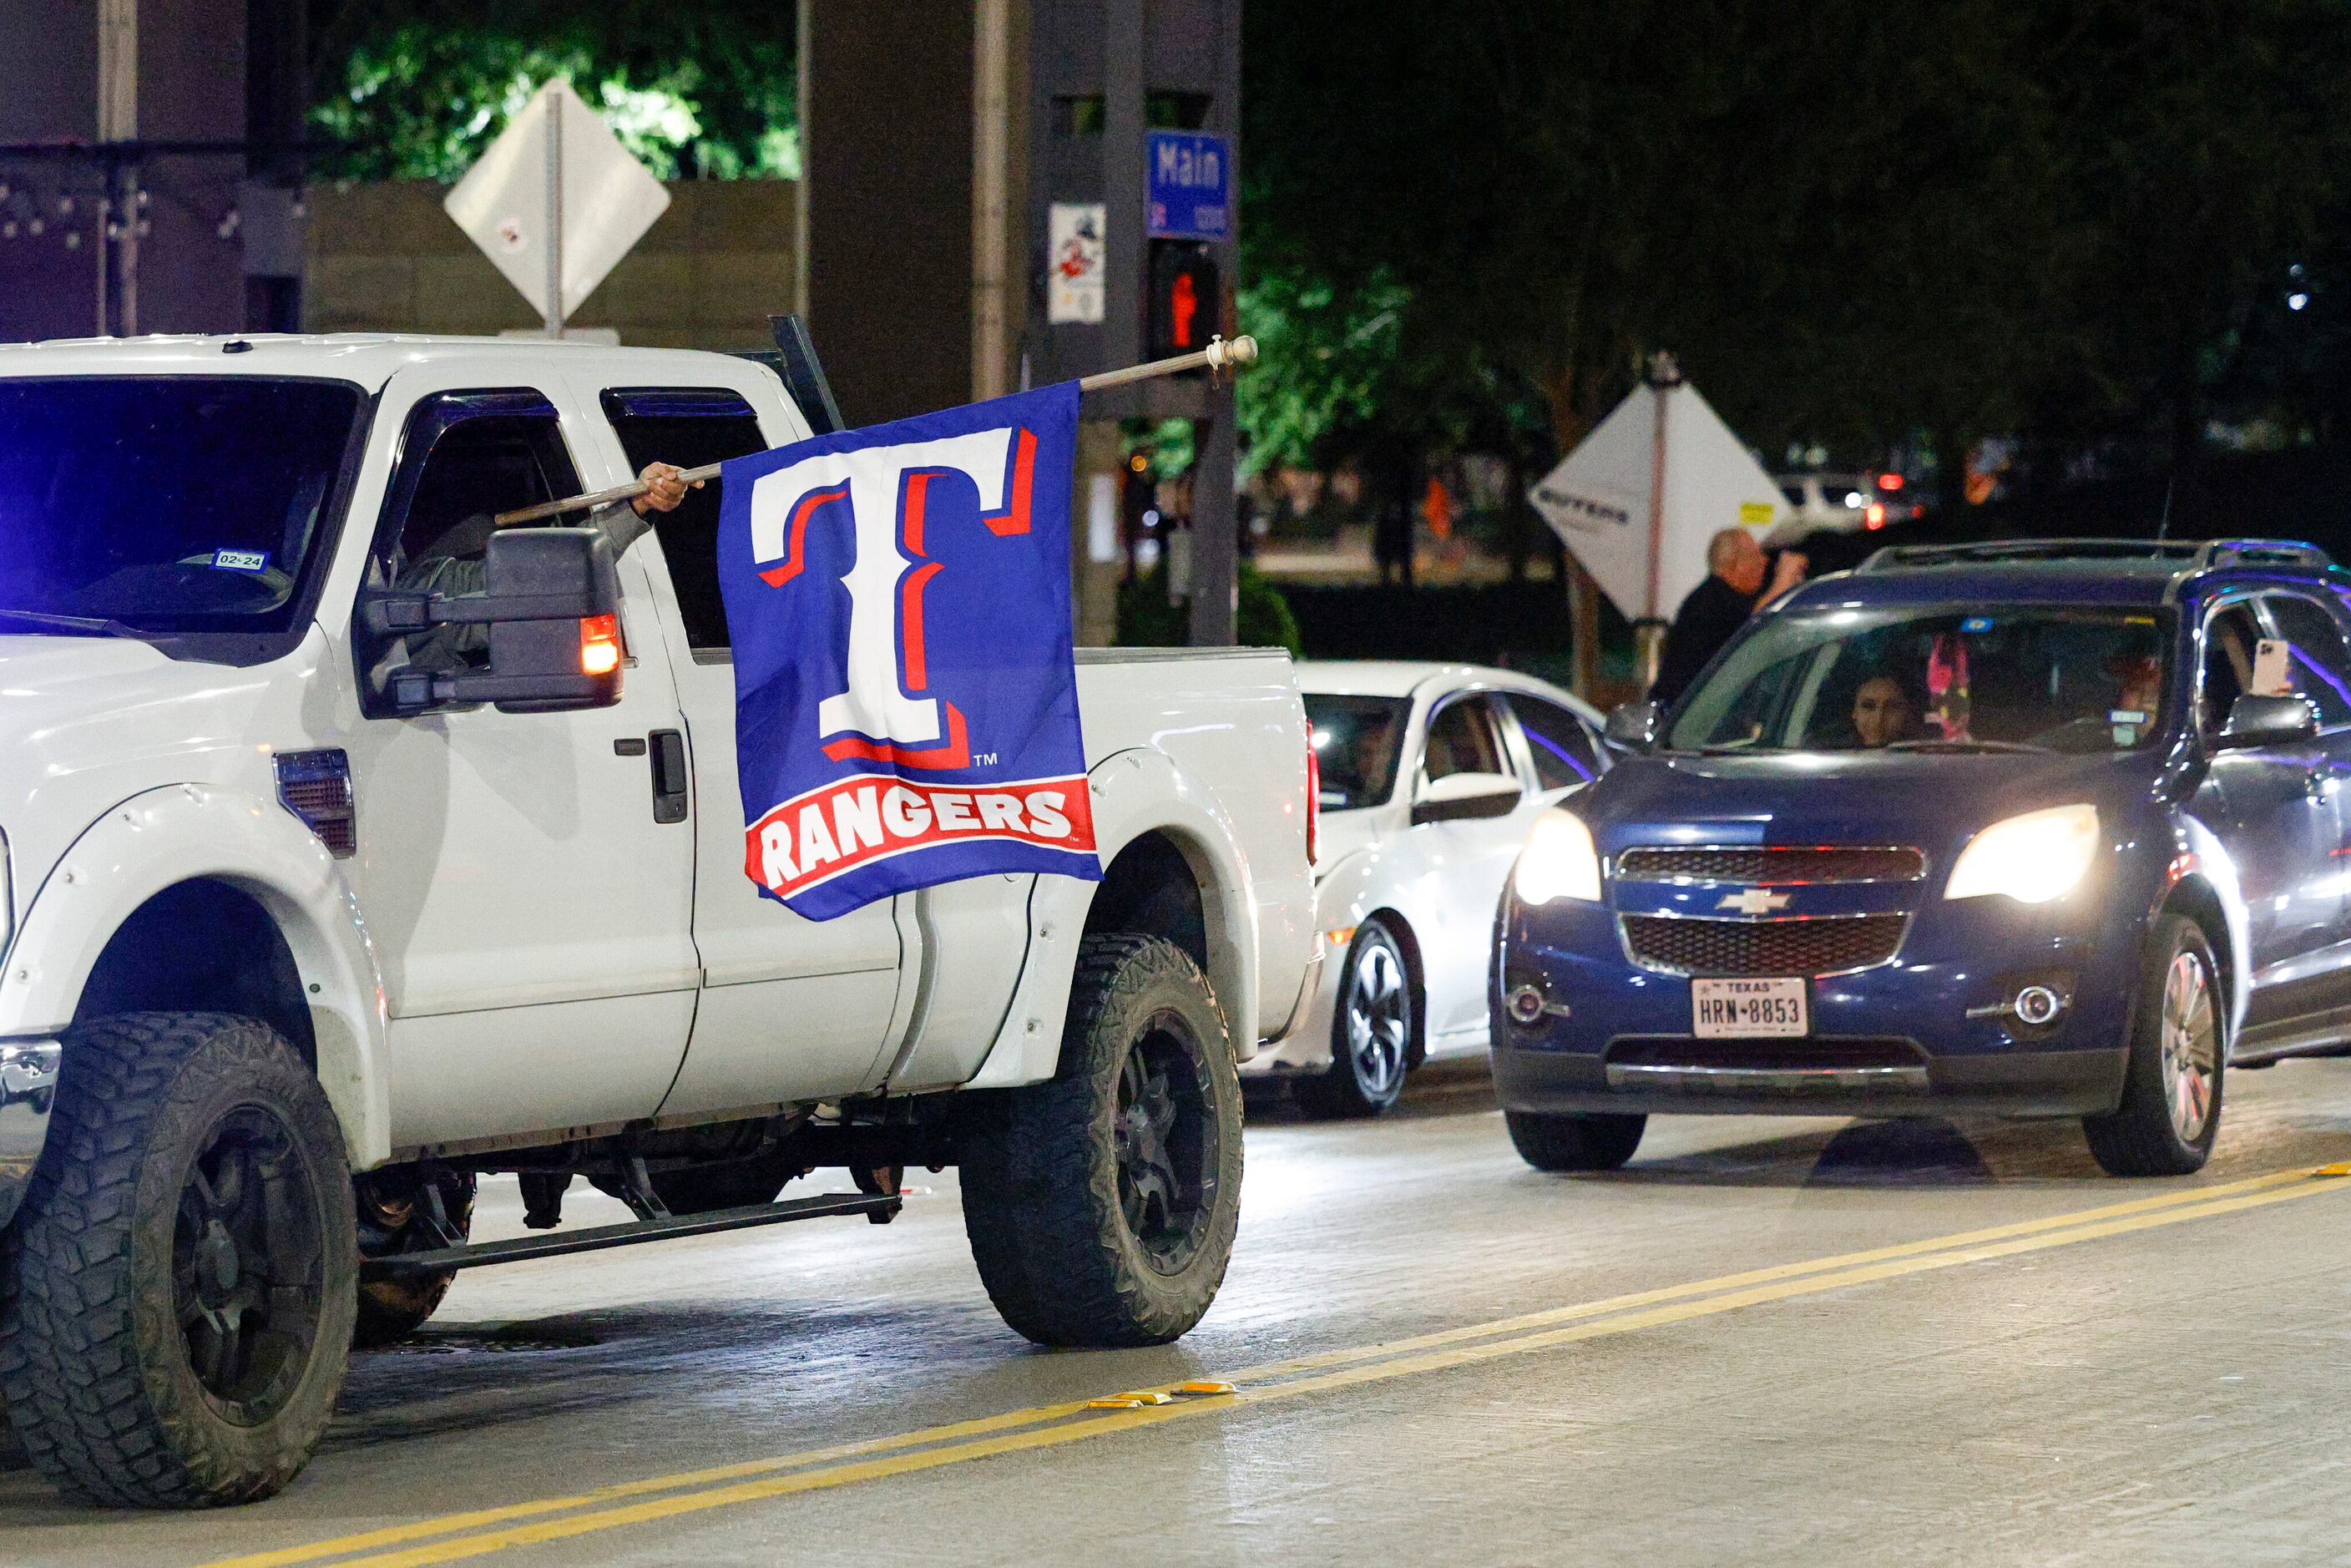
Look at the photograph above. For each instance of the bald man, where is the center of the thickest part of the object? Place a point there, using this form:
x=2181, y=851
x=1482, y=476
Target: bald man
x=1716, y=608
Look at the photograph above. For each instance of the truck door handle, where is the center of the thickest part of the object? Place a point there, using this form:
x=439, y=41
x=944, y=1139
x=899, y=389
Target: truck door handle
x=672, y=784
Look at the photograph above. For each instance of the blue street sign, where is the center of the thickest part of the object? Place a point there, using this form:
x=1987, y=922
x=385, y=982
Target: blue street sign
x=1188, y=185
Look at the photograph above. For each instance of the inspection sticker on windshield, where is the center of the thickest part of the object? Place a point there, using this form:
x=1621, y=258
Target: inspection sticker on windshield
x=241, y=559
x=1733, y=1008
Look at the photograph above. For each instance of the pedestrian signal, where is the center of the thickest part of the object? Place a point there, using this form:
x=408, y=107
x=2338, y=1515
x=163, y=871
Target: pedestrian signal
x=1186, y=298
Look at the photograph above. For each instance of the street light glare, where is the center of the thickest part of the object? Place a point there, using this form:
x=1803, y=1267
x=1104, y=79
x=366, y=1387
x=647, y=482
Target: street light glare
x=2296, y=300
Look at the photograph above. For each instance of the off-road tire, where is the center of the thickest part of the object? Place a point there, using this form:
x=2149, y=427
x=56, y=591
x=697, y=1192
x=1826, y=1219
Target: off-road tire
x=1599, y=1142
x=96, y=1370
x=389, y=1310
x=1377, y=980
x=2139, y=1138
x=1042, y=1166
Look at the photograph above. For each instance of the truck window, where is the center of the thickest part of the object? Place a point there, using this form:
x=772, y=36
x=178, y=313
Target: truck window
x=171, y=504
x=466, y=457
x=688, y=426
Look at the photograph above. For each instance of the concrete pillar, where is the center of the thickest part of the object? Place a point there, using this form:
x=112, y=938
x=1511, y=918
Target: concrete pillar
x=1096, y=558
x=1216, y=541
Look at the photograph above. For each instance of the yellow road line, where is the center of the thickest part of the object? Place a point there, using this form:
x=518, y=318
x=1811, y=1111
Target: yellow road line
x=961, y=1441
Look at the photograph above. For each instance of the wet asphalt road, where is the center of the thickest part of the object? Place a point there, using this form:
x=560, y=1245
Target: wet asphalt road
x=2168, y=1383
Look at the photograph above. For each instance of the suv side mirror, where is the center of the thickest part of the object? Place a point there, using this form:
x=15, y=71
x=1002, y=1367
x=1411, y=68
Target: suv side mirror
x=552, y=605
x=1633, y=724
x=2267, y=721
x=1458, y=796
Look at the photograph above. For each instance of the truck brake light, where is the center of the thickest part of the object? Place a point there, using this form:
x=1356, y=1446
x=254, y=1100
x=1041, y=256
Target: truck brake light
x=600, y=645
x=1313, y=805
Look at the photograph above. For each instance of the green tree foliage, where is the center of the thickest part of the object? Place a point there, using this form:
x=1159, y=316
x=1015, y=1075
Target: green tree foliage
x=416, y=88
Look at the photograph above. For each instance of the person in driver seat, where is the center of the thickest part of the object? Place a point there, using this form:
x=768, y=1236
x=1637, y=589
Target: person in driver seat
x=454, y=563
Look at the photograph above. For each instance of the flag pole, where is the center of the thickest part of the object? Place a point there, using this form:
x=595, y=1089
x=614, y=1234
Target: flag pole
x=1219, y=355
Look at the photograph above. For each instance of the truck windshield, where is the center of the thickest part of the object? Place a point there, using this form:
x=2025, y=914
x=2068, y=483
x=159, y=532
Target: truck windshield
x=163, y=503
x=1912, y=679
x=1357, y=743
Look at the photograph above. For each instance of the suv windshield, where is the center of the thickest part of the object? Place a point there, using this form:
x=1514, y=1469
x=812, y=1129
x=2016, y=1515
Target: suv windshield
x=163, y=503
x=1854, y=680
x=1357, y=743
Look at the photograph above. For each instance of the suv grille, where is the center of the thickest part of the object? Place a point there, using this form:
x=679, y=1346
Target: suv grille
x=1779, y=864
x=1784, y=947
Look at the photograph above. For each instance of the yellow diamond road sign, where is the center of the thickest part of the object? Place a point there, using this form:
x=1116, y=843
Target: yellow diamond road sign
x=556, y=172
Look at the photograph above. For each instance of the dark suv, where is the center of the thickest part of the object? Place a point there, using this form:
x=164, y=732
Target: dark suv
x=2037, y=828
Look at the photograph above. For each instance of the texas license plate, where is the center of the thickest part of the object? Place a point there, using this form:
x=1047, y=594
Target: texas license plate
x=1721, y=1009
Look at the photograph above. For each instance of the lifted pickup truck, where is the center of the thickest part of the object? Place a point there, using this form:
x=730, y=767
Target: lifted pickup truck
x=305, y=934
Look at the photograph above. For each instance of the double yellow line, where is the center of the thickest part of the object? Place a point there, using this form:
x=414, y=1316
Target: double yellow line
x=453, y=1536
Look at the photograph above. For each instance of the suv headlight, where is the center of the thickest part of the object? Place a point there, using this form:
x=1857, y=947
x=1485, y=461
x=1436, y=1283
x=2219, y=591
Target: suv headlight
x=2032, y=858
x=1559, y=861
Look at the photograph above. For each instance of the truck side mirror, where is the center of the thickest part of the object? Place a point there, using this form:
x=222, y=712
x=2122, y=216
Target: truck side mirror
x=551, y=603
x=1458, y=796
x=1633, y=724
x=2267, y=721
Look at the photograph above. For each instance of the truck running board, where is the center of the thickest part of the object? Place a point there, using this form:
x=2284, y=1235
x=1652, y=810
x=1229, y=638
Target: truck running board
x=880, y=1207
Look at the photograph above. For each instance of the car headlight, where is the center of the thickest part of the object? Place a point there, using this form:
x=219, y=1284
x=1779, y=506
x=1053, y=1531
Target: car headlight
x=2032, y=858
x=1559, y=861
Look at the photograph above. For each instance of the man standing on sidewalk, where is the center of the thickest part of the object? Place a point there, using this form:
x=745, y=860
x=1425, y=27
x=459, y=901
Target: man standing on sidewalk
x=1716, y=608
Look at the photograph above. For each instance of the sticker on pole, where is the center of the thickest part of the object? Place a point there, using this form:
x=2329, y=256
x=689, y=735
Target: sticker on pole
x=905, y=692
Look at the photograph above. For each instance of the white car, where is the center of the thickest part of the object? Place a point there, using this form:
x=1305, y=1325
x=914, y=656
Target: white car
x=1431, y=776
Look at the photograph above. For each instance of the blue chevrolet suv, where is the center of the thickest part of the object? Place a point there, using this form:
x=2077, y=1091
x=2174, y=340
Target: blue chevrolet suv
x=2042, y=828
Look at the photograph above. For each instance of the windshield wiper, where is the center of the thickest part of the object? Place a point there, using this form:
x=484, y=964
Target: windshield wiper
x=81, y=625
x=1947, y=745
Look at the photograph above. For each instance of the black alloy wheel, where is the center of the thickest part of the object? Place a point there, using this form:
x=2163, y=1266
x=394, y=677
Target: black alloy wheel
x=1167, y=1142
x=248, y=1270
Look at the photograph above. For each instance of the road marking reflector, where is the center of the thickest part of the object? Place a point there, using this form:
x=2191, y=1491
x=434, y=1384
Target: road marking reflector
x=1203, y=1385
x=1051, y=1425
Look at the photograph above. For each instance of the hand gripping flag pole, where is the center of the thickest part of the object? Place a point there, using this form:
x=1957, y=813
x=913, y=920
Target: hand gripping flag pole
x=1219, y=355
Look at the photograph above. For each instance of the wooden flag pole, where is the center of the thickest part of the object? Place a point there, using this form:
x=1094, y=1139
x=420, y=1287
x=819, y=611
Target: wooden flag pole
x=1219, y=355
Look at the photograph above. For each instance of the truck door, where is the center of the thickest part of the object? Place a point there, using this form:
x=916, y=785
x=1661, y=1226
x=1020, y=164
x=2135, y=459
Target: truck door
x=526, y=900
x=792, y=1008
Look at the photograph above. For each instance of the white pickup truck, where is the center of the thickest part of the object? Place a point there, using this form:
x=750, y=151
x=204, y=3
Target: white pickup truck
x=304, y=936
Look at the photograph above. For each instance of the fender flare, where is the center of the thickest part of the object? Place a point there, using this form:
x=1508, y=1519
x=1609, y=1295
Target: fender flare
x=1136, y=792
x=185, y=833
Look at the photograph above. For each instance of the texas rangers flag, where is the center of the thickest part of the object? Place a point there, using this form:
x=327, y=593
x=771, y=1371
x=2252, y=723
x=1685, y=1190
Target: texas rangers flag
x=905, y=696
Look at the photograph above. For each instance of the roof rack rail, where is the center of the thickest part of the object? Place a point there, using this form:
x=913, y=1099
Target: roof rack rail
x=2261, y=552
x=1989, y=551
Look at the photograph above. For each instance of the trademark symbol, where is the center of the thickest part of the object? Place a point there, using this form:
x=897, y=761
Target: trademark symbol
x=984, y=760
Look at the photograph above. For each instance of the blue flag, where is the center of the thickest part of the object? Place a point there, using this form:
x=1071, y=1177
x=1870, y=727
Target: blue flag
x=905, y=696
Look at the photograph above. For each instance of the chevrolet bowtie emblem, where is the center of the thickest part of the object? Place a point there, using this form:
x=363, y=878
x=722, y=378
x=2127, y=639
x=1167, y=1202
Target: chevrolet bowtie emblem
x=1754, y=901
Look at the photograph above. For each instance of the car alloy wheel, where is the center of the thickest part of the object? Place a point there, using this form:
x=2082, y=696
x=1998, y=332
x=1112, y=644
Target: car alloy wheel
x=2190, y=1045
x=1378, y=1013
